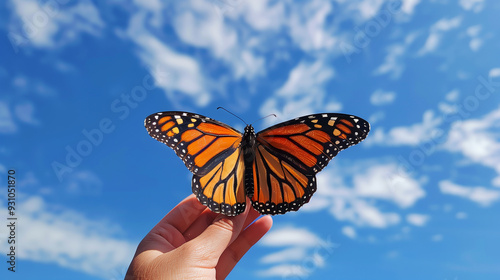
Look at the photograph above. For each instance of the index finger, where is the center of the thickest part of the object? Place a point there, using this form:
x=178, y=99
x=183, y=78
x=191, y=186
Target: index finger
x=184, y=214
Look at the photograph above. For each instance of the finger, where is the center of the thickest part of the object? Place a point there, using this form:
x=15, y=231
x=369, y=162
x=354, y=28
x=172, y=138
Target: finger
x=199, y=225
x=210, y=244
x=167, y=234
x=252, y=215
x=207, y=218
x=184, y=214
x=241, y=245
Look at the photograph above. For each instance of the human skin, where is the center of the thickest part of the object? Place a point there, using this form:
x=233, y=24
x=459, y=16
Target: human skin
x=192, y=242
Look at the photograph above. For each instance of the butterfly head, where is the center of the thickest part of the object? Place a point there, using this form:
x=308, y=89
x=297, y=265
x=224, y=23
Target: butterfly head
x=249, y=129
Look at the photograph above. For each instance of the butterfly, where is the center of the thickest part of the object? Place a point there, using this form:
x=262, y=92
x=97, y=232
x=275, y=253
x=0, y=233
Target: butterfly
x=275, y=168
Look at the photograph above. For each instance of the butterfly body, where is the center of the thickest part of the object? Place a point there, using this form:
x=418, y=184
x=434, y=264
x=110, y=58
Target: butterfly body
x=275, y=168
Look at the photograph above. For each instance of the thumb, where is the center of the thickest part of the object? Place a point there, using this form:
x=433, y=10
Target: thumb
x=217, y=237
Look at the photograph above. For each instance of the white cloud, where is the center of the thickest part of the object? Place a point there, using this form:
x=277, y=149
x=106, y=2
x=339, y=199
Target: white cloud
x=385, y=181
x=284, y=271
x=437, y=238
x=83, y=183
x=308, y=27
x=154, y=7
x=171, y=70
x=372, y=184
x=362, y=213
x=482, y=196
x=408, y=6
x=306, y=77
x=52, y=24
x=303, y=93
x=461, y=215
x=349, y=232
x=376, y=117
x=417, y=219
x=290, y=236
x=453, y=95
x=7, y=124
x=393, y=64
x=197, y=24
x=478, y=141
x=475, y=42
x=263, y=15
x=25, y=113
x=293, y=254
x=364, y=9
x=70, y=240
x=304, y=252
x=494, y=72
x=29, y=86
x=381, y=97
x=411, y=135
x=472, y=5
x=436, y=33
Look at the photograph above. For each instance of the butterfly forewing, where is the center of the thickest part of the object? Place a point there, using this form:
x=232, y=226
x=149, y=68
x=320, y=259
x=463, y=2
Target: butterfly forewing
x=202, y=143
x=289, y=154
x=310, y=142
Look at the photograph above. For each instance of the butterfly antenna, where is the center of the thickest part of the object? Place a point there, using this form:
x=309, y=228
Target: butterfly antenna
x=232, y=114
x=274, y=115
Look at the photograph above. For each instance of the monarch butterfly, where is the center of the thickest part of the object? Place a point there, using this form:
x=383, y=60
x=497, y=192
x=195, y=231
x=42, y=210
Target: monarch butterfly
x=275, y=168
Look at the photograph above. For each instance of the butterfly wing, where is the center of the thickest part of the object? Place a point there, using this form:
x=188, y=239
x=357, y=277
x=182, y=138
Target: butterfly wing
x=202, y=143
x=288, y=156
x=211, y=151
x=222, y=189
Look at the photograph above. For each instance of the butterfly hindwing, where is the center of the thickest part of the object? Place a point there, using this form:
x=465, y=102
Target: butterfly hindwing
x=223, y=188
x=290, y=154
x=199, y=141
x=279, y=187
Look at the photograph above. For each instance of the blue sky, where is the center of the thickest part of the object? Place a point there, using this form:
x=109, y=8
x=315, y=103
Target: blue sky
x=419, y=199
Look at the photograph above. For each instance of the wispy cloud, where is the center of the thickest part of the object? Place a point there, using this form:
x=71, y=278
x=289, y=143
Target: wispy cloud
x=349, y=231
x=478, y=141
x=358, y=204
x=384, y=181
x=437, y=238
x=302, y=93
x=393, y=64
x=437, y=32
x=472, y=5
x=482, y=196
x=173, y=72
x=303, y=252
x=417, y=219
x=83, y=183
x=382, y=97
x=7, y=124
x=411, y=135
x=308, y=26
x=52, y=24
x=476, y=42
x=25, y=113
x=198, y=25
x=69, y=239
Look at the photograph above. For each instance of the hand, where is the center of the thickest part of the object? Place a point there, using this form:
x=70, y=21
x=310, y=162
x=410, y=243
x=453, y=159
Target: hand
x=192, y=242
